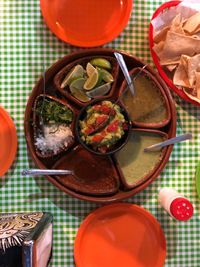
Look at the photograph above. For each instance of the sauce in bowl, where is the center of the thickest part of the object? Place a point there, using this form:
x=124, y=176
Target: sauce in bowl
x=96, y=175
x=148, y=105
x=135, y=164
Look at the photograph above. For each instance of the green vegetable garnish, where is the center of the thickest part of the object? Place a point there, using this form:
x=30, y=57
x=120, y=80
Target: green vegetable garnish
x=53, y=112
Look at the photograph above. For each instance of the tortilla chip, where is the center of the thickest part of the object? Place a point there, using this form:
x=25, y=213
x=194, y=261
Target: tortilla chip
x=177, y=45
x=161, y=36
x=192, y=25
x=197, y=85
x=181, y=76
x=176, y=25
x=184, y=59
x=185, y=74
x=191, y=96
x=193, y=67
x=197, y=35
x=158, y=48
x=171, y=67
x=170, y=62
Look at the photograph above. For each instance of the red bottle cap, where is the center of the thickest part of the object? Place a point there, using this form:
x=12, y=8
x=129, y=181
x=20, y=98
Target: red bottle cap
x=181, y=209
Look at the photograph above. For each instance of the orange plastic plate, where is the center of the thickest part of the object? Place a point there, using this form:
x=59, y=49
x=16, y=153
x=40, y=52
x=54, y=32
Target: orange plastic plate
x=120, y=235
x=86, y=23
x=8, y=141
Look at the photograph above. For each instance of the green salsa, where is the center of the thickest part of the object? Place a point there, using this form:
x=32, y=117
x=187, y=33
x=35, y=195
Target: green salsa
x=148, y=104
x=136, y=164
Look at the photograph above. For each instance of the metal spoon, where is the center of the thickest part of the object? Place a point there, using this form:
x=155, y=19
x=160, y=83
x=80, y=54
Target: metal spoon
x=36, y=172
x=41, y=121
x=124, y=69
x=39, y=172
x=177, y=139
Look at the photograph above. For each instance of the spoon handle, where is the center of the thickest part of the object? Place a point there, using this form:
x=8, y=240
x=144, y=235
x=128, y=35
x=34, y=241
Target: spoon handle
x=124, y=69
x=36, y=172
x=170, y=141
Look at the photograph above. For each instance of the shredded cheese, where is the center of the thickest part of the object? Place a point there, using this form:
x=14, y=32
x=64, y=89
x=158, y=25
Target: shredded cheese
x=54, y=138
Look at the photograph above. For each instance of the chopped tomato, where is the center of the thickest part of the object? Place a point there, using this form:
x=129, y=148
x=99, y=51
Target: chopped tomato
x=89, y=130
x=97, y=138
x=97, y=107
x=100, y=119
x=113, y=126
x=103, y=133
x=105, y=109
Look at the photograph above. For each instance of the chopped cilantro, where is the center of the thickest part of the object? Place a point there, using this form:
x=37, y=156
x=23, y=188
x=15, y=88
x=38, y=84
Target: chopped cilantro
x=53, y=112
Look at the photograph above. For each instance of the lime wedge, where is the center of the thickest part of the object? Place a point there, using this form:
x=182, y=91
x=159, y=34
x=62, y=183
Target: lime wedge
x=76, y=72
x=90, y=69
x=106, y=75
x=80, y=95
x=100, y=80
x=99, y=91
x=101, y=62
x=77, y=83
x=92, y=80
x=76, y=89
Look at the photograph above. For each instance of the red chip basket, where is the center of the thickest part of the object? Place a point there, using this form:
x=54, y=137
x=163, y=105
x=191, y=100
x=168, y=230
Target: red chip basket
x=162, y=73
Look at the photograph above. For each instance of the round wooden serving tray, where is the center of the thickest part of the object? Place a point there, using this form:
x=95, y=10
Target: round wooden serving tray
x=122, y=191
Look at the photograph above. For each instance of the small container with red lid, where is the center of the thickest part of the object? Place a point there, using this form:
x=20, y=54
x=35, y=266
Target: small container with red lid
x=175, y=204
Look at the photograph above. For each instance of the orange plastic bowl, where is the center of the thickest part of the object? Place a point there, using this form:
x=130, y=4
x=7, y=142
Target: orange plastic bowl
x=120, y=234
x=162, y=73
x=86, y=23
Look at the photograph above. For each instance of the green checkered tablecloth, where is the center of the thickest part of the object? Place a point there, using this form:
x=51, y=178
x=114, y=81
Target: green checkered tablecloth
x=24, y=42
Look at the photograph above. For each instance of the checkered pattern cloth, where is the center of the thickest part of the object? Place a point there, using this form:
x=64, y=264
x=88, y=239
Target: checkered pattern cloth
x=25, y=41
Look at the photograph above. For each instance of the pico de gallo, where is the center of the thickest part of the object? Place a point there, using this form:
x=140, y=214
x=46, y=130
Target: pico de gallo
x=103, y=126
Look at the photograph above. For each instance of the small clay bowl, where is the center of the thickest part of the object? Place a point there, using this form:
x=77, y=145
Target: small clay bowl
x=149, y=107
x=59, y=77
x=37, y=126
x=133, y=152
x=95, y=175
x=119, y=144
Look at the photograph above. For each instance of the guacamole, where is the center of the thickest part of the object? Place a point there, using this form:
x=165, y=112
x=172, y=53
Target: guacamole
x=103, y=126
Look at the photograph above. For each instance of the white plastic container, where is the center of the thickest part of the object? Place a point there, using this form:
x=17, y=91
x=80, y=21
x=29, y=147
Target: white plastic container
x=175, y=204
